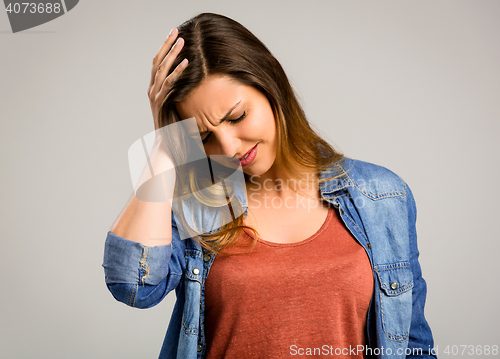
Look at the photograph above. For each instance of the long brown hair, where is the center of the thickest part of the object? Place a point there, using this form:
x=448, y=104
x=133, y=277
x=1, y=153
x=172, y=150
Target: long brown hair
x=218, y=45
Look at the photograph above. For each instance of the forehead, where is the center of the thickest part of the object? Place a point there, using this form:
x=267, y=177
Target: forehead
x=212, y=98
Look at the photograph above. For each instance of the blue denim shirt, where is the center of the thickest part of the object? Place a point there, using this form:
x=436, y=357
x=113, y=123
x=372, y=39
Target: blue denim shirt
x=378, y=208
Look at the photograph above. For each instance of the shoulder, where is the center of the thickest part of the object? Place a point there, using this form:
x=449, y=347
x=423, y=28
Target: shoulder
x=370, y=179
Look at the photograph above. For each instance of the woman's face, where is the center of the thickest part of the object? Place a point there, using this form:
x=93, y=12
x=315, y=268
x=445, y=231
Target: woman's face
x=248, y=122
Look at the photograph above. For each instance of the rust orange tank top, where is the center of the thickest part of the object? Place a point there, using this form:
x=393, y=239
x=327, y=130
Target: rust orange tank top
x=284, y=300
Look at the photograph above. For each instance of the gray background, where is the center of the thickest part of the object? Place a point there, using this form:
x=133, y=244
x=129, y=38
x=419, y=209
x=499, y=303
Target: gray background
x=410, y=85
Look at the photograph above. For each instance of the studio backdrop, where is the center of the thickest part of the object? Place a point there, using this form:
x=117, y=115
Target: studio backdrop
x=409, y=85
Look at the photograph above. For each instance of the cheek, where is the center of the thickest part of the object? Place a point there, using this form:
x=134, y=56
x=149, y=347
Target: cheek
x=267, y=116
x=261, y=124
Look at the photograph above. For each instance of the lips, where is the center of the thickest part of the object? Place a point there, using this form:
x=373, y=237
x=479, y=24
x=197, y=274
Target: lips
x=246, y=153
x=248, y=157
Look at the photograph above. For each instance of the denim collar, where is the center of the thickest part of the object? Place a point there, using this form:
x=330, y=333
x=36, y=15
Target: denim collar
x=341, y=180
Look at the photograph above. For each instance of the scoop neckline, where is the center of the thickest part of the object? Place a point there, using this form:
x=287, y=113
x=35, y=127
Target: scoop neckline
x=294, y=244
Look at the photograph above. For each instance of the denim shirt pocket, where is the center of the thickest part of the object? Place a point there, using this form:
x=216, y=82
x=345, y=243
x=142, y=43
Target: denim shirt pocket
x=395, y=281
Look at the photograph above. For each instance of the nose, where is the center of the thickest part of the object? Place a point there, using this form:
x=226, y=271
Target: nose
x=227, y=143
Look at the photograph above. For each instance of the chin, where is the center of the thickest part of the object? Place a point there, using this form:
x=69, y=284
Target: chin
x=258, y=170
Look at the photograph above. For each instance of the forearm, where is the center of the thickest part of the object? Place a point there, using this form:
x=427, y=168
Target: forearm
x=146, y=218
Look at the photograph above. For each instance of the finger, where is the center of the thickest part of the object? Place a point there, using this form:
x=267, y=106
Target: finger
x=168, y=81
x=166, y=64
x=158, y=59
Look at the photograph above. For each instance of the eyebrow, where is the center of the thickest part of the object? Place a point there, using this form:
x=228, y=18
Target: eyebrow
x=225, y=116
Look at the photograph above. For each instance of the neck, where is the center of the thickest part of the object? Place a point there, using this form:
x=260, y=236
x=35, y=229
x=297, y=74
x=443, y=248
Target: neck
x=274, y=184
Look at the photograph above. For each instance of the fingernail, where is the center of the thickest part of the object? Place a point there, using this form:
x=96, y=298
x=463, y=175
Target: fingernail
x=178, y=42
x=184, y=62
x=171, y=31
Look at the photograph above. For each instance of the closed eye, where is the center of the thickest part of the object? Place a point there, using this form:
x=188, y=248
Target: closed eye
x=205, y=140
x=239, y=119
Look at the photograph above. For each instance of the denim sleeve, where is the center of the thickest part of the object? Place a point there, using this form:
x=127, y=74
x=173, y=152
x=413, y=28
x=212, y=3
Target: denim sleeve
x=420, y=333
x=138, y=275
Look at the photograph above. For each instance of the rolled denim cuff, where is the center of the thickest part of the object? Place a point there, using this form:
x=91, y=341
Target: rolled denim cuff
x=132, y=262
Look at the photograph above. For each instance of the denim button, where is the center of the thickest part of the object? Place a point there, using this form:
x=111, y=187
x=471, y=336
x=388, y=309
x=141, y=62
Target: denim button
x=369, y=246
x=199, y=347
x=341, y=211
x=394, y=285
x=206, y=257
x=196, y=271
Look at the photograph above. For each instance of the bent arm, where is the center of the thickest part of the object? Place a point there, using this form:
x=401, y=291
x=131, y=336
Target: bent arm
x=138, y=266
